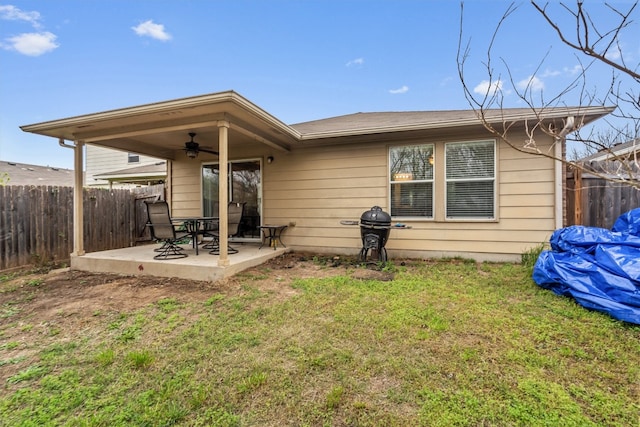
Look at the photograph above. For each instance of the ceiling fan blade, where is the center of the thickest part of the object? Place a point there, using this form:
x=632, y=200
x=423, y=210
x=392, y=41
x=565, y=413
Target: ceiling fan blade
x=206, y=150
x=192, y=148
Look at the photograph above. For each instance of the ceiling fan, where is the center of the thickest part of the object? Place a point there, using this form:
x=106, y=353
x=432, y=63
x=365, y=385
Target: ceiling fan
x=192, y=148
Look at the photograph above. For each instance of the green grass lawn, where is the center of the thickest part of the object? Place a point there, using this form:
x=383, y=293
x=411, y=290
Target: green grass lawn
x=448, y=343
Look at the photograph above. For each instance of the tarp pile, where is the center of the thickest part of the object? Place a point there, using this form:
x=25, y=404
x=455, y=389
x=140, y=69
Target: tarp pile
x=599, y=268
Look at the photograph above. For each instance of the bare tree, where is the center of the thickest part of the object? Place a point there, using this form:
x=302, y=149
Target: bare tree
x=592, y=46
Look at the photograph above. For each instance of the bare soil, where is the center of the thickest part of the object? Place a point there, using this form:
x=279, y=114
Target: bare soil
x=60, y=305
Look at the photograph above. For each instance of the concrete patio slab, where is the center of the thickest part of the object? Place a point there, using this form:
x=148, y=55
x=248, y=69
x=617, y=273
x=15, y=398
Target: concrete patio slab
x=139, y=260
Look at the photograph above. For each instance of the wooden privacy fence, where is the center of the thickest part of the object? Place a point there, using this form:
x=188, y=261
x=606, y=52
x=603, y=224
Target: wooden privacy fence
x=36, y=222
x=596, y=202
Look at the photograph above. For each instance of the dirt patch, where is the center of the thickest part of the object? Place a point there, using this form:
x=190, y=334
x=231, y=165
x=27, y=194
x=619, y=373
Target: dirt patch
x=42, y=297
x=62, y=305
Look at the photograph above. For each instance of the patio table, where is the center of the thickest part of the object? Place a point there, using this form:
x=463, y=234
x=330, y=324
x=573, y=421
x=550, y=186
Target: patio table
x=194, y=226
x=271, y=234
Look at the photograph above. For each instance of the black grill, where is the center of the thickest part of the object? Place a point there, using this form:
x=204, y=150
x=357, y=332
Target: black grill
x=375, y=225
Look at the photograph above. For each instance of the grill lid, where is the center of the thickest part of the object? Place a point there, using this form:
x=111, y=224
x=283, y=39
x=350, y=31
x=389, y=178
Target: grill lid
x=375, y=216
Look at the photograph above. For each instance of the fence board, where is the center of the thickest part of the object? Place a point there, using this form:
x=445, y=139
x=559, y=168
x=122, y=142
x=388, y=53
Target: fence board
x=36, y=222
x=601, y=201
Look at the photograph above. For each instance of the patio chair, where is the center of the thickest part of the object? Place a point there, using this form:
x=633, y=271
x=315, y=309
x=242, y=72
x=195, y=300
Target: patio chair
x=163, y=230
x=210, y=228
x=234, y=212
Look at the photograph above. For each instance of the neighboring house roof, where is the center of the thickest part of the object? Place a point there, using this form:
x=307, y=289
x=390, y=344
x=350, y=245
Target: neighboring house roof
x=24, y=174
x=619, y=151
x=145, y=173
x=161, y=129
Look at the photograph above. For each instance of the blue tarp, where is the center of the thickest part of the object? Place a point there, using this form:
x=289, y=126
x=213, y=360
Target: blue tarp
x=597, y=267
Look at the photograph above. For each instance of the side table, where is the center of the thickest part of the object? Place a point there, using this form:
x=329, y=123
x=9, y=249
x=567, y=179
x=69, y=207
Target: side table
x=271, y=235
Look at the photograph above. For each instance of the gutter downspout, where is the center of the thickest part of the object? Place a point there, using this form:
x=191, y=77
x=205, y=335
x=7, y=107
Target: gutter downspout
x=559, y=171
x=62, y=144
x=78, y=217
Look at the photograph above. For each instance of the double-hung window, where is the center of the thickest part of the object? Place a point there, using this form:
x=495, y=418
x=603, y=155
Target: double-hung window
x=411, y=180
x=470, y=180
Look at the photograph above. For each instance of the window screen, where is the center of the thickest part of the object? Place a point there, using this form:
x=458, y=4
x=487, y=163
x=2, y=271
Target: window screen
x=470, y=177
x=411, y=179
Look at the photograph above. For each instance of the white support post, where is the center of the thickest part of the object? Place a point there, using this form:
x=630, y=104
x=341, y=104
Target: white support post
x=78, y=217
x=223, y=193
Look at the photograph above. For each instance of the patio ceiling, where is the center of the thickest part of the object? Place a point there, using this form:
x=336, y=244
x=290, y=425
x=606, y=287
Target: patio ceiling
x=161, y=129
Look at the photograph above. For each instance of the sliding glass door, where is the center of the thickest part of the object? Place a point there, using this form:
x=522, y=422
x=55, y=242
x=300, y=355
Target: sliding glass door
x=244, y=187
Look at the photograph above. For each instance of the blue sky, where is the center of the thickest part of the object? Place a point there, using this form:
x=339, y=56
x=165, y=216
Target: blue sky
x=298, y=60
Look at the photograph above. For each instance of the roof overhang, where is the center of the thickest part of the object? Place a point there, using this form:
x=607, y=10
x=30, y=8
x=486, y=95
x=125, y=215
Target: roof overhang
x=616, y=152
x=161, y=129
x=423, y=122
x=145, y=173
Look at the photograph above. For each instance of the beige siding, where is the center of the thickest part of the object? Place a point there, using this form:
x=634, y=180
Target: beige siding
x=317, y=187
x=102, y=160
x=186, y=200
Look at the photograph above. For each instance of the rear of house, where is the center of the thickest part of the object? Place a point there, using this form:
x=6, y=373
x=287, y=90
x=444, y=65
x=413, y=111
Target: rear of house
x=458, y=193
x=459, y=189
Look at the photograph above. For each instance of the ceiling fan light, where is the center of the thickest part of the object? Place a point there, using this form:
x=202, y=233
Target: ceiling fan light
x=191, y=147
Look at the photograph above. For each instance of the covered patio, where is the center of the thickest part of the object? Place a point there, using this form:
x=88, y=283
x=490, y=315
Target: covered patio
x=138, y=260
x=226, y=126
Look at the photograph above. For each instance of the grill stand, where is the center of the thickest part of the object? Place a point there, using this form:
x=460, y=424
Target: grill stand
x=375, y=225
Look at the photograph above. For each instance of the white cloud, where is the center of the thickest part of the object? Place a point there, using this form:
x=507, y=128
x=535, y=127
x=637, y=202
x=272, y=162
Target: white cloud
x=620, y=53
x=531, y=83
x=577, y=69
x=567, y=71
x=403, y=89
x=358, y=62
x=12, y=13
x=487, y=88
x=550, y=73
x=153, y=30
x=613, y=55
x=446, y=81
x=32, y=44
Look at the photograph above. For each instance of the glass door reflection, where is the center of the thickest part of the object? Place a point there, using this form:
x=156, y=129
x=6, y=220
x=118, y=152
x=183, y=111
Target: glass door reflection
x=244, y=187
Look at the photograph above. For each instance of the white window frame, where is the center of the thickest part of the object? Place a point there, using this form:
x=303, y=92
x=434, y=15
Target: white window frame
x=403, y=177
x=469, y=179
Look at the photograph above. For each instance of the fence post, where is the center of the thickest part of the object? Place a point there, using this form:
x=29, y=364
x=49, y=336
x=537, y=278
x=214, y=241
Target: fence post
x=577, y=201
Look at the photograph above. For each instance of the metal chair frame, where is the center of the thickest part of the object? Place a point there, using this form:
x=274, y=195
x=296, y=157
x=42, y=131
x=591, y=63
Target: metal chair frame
x=164, y=230
x=235, y=212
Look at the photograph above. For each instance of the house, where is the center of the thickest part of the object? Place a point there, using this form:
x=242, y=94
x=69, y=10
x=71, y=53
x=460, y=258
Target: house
x=106, y=167
x=459, y=190
x=26, y=174
x=627, y=151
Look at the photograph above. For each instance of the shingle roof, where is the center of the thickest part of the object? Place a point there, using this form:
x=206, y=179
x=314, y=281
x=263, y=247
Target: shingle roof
x=620, y=150
x=159, y=132
x=380, y=122
x=357, y=121
x=24, y=174
x=155, y=169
